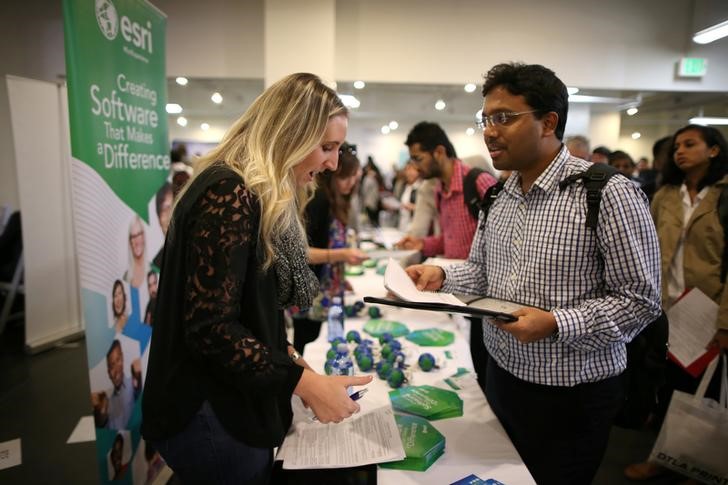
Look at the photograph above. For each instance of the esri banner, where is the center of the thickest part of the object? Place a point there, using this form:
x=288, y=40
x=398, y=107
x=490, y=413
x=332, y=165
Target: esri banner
x=115, y=63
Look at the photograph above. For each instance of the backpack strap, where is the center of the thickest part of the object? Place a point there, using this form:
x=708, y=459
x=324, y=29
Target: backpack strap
x=595, y=178
x=488, y=198
x=470, y=191
x=723, y=217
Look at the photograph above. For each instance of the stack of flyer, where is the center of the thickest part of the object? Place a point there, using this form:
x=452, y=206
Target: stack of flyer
x=427, y=401
x=423, y=444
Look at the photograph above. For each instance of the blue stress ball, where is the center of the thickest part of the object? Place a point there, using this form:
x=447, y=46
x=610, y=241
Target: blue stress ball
x=358, y=306
x=328, y=367
x=385, y=337
x=396, y=378
x=353, y=336
x=365, y=362
x=384, y=368
x=396, y=359
x=338, y=340
x=426, y=362
x=349, y=311
x=375, y=312
x=330, y=354
x=386, y=351
x=395, y=344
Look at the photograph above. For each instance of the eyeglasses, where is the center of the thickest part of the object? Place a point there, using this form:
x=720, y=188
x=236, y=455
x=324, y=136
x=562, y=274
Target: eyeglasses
x=347, y=148
x=499, y=119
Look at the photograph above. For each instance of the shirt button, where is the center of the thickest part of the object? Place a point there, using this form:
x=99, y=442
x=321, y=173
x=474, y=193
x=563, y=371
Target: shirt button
x=513, y=277
x=517, y=242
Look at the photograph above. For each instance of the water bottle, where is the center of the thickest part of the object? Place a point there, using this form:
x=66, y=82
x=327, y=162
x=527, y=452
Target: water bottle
x=336, y=319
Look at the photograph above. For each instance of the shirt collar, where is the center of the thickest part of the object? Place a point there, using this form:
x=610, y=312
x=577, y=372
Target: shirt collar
x=456, y=180
x=549, y=179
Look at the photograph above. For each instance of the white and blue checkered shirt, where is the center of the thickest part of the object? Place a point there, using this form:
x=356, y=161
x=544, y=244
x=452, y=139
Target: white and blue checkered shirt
x=602, y=286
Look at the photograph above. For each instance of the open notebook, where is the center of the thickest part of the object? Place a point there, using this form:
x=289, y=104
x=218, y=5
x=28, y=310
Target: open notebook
x=408, y=296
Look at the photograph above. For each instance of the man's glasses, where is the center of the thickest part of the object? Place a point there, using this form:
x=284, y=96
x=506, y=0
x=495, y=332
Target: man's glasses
x=347, y=148
x=499, y=119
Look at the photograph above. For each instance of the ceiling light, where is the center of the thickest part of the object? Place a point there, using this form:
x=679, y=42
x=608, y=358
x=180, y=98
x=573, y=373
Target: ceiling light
x=393, y=125
x=204, y=127
x=349, y=101
x=440, y=105
x=470, y=87
x=706, y=120
x=182, y=81
x=385, y=130
x=216, y=97
x=706, y=36
x=572, y=90
x=632, y=111
x=359, y=84
x=636, y=135
x=182, y=121
x=470, y=131
x=173, y=108
x=583, y=98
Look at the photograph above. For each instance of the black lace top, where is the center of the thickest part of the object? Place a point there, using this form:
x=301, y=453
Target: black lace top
x=218, y=333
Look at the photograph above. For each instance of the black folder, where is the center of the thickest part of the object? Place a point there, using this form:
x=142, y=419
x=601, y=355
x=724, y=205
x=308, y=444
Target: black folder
x=472, y=305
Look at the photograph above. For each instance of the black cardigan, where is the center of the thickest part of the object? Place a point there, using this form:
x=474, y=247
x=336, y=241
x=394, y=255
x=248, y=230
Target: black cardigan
x=218, y=332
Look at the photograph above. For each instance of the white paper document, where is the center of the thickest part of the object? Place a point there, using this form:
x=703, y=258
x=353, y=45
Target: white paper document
x=392, y=253
x=692, y=326
x=360, y=440
x=398, y=282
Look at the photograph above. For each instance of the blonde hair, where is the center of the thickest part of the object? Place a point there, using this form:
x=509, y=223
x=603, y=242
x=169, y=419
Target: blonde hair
x=282, y=126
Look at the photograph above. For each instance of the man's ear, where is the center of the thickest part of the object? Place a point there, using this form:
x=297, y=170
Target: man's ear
x=440, y=153
x=549, y=121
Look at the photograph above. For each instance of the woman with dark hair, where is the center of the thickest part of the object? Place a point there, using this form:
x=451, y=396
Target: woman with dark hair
x=118, y=306
x=326, y=224
x=692, y=245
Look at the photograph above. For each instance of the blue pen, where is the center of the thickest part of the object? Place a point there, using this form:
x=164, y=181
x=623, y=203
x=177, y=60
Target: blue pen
x=354, y=397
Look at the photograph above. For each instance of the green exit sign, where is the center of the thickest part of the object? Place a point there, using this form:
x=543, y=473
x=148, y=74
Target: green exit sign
x=692, y=67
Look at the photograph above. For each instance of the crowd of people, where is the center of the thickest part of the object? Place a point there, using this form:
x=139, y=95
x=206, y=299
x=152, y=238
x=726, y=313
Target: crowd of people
x=264, y=227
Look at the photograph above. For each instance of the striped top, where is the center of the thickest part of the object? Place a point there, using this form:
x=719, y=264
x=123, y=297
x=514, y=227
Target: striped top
x=602, y=286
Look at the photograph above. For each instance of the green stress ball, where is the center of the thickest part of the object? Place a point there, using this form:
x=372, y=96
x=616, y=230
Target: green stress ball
x=384, y=368
x=365, y=362
x=330, y=354
x=349, y=311
x=386, y=351
x=426, y=361
x=353, y=336
x=385, y=337
x=369, y=263
x=375, y=312
x=396, y=378
x=328, y=367
x=338, y=340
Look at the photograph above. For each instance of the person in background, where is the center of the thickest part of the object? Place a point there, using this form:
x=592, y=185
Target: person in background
x=578, y=146
x=152, y=285
x=372, y=185
x=600, y=155
x=138, y=264
x=163, y=202
x=326, y=217
x=624, y=164
x=113, y=408
x=221, y=374
x=408, y=197
x=651, y=178
x=553, y=377
x=692, y=247
x=118, y=306
x=434, y=155
x=425, y=217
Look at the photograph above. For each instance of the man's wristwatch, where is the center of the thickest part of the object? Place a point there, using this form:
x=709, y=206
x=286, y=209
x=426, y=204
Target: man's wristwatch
x=294, y=355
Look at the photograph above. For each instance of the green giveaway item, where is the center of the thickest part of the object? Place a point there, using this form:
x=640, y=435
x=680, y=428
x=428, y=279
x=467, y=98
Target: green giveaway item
x=423, y=444
x=357, y=270
x=369, y=263
x=427, y=401
x=432, y=337
x=376, y=327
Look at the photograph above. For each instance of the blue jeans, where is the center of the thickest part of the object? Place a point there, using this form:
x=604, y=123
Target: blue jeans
x=204, y=452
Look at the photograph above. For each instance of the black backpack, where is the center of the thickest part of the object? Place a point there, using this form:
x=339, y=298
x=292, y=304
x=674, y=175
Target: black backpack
x=647, y=352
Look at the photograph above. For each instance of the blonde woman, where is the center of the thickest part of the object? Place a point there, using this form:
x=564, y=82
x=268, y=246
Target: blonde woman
x=138, y=264
x=221, y=373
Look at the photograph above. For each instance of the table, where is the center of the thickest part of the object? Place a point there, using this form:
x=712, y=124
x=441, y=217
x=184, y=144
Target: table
x=476, y=443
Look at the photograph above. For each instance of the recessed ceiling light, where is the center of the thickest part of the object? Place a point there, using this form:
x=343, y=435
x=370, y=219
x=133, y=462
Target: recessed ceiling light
x=385, y=130
x=707, y=120
x=470, y=87
x=440, y=105
x=359, y=84
x=182, y=81
x=393, y=125
x=173, y=108
x=706, y=36
x=204, y=126
x=632, y=111
x=182, y=121
x=470, y=131
x=349, y=101
x=636, y=135
x=216, y=97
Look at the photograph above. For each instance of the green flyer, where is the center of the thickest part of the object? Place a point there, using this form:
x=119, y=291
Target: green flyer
x=427, y=401
x=423, y=444
x=432, y=337
x=376, y=327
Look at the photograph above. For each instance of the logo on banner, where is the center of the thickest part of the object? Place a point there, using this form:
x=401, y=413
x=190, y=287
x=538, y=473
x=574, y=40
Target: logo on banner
x=107, y=18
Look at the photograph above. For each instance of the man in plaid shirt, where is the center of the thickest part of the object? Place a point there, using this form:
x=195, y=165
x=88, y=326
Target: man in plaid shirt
x=435, y=157
x=554, y=375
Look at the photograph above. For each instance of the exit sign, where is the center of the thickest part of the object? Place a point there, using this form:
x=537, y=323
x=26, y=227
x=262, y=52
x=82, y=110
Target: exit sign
x=692, y=67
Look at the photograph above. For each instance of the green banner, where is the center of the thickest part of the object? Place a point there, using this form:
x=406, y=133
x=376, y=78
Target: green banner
x=115, y=59
x=115, y=63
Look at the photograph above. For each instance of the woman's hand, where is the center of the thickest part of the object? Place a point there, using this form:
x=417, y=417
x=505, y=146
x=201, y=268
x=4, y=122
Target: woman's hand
x=426, y=276
x=327, y=396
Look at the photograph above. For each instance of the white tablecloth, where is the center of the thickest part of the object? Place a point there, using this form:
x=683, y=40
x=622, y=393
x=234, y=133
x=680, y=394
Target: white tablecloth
x=476, y=442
